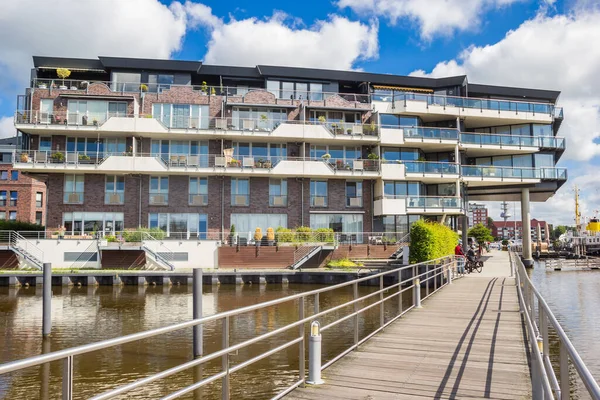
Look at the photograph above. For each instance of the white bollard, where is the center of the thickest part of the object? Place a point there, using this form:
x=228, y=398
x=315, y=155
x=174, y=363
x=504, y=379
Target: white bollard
x=314, y=355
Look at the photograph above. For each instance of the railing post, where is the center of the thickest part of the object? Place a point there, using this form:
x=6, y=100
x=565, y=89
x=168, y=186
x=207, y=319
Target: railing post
x=301, y=347
x=355, y=290
x=565, y=388
x=225, y=360
x=449, y=272
x=197, y=312
x=381, y=306
x=399, y=292
x=314, y=355
x=417, y=292
x=67, y=379
x=47, y=300
x=316, y=305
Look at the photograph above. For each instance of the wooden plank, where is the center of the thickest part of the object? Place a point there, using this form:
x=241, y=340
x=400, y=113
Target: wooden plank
x=466, y=342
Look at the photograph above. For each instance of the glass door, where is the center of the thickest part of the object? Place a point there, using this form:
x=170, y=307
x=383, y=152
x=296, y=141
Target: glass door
x=181, y=116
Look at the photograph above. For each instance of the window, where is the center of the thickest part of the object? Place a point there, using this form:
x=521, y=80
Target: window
x=13, y=198
x=318, y=193
x=2, y=215
x=4, y=175
x=198, y=195
x=160, y=82
x=354, y=194
x=295, y=90
x=92, y=147
x=38, y=218
x=181, y=226
x=117, y=109
x=400, y=189
x=394, y=121
x=261, y=119
x=240, y=192
x=277, y=192
x=181, y=115
x=12, y=215
x=14, y=175
x=45, y=143
x=114, y=146
x=246, y=224
x=397, y=153
x=273, y=87
x=73, y=190
x=181, y=152
x=126, y=81
x=159, y=190
x=77, y=223
x=3, y=198
x=114, y=189
x=349, y=224
x=39, y=200
x=46, y=110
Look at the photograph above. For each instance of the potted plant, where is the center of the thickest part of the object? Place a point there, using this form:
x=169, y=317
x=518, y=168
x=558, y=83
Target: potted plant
x=232, y=235
x=204, y=87
x=326, y=156
x=63, y=73
x=24, y=157
x=270, y=236
x=84, y=157
x=258, y=236
x=267, y=164
x=349, y=131
x=129, y=151
x=61, y=231
x=322, y=119
x=58, y=157
x=372, y=160
x=339, y=164
x=340, y=128
x=42, y=85
x=213, y=91
x=234, y=163
x=95, y=122
x=143, y=88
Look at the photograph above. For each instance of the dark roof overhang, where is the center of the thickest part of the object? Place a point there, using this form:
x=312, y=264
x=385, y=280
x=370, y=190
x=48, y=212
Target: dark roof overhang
x=506, y=91
x=82, y=64
x=150, y=64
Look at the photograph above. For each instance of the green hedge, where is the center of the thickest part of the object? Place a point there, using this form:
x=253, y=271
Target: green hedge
x=430, y=240
x=7, y=225
x=136, y=235
x=325, y=235
x=284, y=235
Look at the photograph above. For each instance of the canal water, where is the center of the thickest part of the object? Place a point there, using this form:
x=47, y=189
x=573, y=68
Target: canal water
x=84, y=315
x=574, y=298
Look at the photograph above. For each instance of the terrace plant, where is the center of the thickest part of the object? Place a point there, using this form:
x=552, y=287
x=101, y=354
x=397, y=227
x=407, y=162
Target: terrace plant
x=143, y=88
x=63, y=73
x=284, y=235
x=303, y=233
x=58, y=157
x=204, y=87
x=322, y=119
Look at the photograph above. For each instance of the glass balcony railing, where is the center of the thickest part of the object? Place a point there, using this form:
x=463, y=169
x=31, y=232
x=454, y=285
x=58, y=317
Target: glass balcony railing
x=436, y=202
x=429, y=167
x=489, y=139
x=514, y=172
x=421, y=132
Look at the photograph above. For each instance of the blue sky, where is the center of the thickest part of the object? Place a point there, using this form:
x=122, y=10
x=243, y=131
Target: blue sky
x=530, y=43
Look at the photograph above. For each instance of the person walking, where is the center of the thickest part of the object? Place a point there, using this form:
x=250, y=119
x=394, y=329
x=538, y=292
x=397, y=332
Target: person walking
x=460, y=258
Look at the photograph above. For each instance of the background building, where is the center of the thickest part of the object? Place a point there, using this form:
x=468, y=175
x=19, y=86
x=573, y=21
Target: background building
x=478, y=214
x=506, y=230
x=21, y=197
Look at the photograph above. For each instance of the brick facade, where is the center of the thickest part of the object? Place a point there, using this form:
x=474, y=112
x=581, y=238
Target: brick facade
x=26, y=187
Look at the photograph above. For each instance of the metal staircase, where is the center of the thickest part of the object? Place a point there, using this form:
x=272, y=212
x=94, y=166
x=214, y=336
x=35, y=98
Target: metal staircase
x=86, y=256
x=29, y=254
x=304, y=253
x=161, y=256
x=402, y=243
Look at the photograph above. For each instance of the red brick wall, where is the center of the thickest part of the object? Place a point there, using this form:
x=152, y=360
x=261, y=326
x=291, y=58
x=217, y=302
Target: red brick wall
x=26, y=188
x=252, y=257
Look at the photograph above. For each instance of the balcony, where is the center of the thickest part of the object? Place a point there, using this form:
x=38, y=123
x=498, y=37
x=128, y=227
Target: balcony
x=490, y=142
x=433, y=204
x=430, y=107
x=420, y=136
x=474, y=174
x=429, y=171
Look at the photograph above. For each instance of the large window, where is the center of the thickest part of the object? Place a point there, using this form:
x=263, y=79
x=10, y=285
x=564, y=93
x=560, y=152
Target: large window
x=39, y=199
x=394, y=121
x=159, y=190
x=273, y=152
x=92, y=147
x=181, y=152
x=318, y=193
x=94, y=112
x=126, y=81
x=73, y=190
x=260, y=119
x=240, y=192
x=114, y=189
x=338, y=117
x=115, y=146
x=193, y=116
x=397, y=153
x=394, y=225
x=354, y=194
x=400, y=189
x=45, y=143
x=246, y=224
x=46, y=110
x=524, y=160
x=198, y=191
x=183, y=225
x=77, y=223
x=337, y=153
x=278, y=192
x=296, y=90
x=349, y=224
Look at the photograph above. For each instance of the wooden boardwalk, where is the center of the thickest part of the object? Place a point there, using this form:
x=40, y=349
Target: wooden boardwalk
x=466, y=342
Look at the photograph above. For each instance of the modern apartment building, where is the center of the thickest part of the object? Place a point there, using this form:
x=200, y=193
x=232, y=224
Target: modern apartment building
x=514, y=230
x=22, y=197
x=194, y=148
x=478, y=214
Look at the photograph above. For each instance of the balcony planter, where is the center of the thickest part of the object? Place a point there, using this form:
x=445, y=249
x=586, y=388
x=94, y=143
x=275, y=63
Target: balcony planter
x=95, y=122
x=58, y=157
x=268, y=164
x=63, y=87
x=24, y=157
x=42, y=86
x=73, y=88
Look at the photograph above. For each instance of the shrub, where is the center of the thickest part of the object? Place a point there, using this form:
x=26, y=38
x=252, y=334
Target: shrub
x=7, y=225
x=110, y=238
x=284, y=235
x=343, y=263
x=303, y=233
x=431, y=240
x=325, y=235
x=137, y=235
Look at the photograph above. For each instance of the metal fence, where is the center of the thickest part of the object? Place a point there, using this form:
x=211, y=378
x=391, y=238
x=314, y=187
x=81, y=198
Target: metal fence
x=434, y=274
x=538, y=319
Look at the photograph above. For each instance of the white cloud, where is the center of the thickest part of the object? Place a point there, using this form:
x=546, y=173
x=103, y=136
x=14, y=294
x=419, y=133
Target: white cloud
x=335, y=44
x=7, y=128
x=549, y=53
x=434, y=17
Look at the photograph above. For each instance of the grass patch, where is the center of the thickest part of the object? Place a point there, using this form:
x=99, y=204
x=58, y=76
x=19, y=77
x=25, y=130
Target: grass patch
x=343, y=263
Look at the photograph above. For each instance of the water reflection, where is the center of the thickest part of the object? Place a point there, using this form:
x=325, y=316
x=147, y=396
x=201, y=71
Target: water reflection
x=574, y=297
x=88, y=314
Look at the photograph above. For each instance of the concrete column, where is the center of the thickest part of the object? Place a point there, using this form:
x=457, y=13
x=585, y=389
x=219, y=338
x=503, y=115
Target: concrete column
x=526, y=228
x=465, y=221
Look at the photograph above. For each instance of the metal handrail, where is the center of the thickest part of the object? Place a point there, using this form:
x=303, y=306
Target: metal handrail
x=158, y=257
x=435, y=269
x=24, y=247
x=538, y=319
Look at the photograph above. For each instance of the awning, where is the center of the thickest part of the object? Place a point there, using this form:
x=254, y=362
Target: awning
x=95, y=96
x=403, y=89
x=76, y=69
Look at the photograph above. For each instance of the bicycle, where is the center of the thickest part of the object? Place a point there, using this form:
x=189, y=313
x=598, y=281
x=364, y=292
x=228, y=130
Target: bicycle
x=474, y=265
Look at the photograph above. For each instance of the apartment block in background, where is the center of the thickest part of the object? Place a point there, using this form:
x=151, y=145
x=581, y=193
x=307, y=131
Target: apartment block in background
x=514, y=229
x=478, y=214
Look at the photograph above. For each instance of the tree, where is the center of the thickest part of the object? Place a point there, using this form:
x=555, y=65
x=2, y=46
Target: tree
x=481, y=234
x=559, y=230
x=490, y=223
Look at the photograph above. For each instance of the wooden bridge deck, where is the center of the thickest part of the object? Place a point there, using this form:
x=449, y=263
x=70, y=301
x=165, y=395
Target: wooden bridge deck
x=466, y=342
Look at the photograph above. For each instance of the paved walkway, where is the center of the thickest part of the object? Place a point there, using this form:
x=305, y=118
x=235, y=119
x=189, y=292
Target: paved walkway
x=466, y=342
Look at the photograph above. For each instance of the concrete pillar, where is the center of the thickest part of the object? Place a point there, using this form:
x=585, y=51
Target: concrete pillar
x=526, y=228
x=465, y=221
